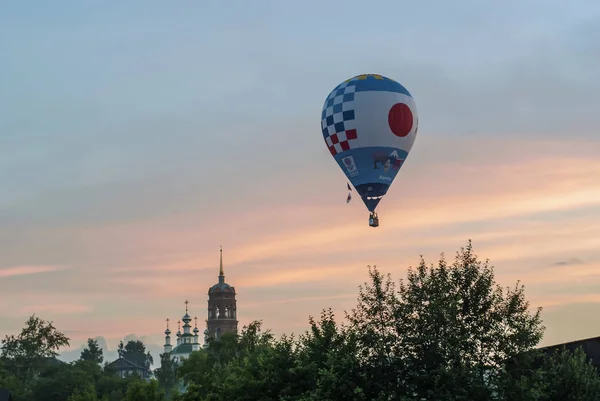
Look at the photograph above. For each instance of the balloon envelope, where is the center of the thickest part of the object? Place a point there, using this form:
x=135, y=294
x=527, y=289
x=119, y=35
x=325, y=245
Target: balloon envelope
x=369, y=124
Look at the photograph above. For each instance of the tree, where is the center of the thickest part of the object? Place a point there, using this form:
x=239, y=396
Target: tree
x=135, y=351
x=372, y=325
x=524, y=378
x=250, y=366
x=259, y=369
x=59, y=381
x=88, y=394
x=26, y=353
x=29, y=368
x=167, y=373
x=112, y=386
x=205, y=371
x=326, y=363
x=192, y=393
x=570, y=376
x=144, y=391
x=93, y=352
x=199, y=369
x=446, y=332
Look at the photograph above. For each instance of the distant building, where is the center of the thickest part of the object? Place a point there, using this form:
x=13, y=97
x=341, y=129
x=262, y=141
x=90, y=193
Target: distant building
x=590, y=346
x=125, y=368
x=222, y=318
x=222, y=307
x=186, y=341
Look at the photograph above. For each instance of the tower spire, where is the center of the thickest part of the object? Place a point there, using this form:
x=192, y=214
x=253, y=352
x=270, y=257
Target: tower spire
x=221, y=262
x=167, y=347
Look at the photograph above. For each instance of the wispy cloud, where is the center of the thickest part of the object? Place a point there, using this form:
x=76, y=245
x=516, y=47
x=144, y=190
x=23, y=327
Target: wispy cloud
x=569, y=262
x=27, y=270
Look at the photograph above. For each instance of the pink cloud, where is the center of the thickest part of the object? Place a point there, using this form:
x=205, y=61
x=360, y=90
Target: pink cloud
x=27, y=270
x=304, y=238
x=520, y=189
x=524, y=182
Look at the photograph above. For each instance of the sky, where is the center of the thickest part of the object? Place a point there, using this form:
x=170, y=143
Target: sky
x=137, y=137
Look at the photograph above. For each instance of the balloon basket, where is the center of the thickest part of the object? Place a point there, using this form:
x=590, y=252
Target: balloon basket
x=373, y=220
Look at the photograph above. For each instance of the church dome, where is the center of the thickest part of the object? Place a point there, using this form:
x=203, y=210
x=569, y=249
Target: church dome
x=221, y=287
x=186, y=318
x=183, y=349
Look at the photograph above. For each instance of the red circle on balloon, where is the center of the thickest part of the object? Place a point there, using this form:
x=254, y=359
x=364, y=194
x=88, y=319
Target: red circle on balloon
x=400, y=119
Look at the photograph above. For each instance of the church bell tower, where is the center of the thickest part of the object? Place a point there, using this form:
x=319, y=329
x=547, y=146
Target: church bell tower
x=222, y=308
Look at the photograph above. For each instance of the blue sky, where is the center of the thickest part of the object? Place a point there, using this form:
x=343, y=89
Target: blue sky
x=144, y=134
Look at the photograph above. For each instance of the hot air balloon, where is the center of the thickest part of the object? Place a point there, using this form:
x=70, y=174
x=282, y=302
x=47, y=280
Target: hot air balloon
x=369, y=124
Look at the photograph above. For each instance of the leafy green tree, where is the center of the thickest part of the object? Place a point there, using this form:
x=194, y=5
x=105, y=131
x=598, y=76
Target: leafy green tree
x=144, y=391
x=223, y=350
x=93, y=352
x=58, y=382
x=8, y=380
x=199, y=369
x=193, y=392
x=250, y=366
x=135, y=351
x=570, y=376
x=327, y=365
x=260, y=369
x=112, y=385
x=372, y=324
x=88, y=394
x=167, y=373
x=208, y=368
x=457, y=328
x=444, y=334
x=523, y=378
x=25, y=354
x=19, y=390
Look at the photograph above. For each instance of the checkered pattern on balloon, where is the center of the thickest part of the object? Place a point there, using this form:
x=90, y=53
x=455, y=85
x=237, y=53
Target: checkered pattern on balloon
x=338, y=123
x=337, y=119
